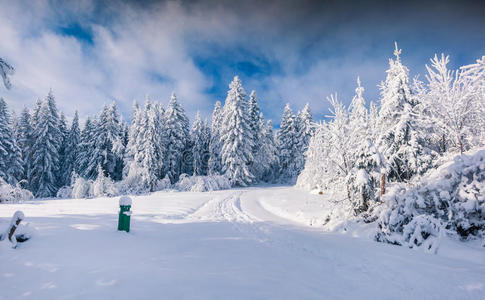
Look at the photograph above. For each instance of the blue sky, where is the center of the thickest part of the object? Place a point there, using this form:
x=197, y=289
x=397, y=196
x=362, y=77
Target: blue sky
x=94, y=52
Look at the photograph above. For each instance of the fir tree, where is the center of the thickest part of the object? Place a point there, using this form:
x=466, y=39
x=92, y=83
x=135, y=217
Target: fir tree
x=72, y=147
x=45, y=154
x=288, y=145
x=24, y=140
x=200, y=136
x=177, y=133
x=304, y=128
x=236, y=136
x=11, y=169
x=399, y=141
x=215, y=167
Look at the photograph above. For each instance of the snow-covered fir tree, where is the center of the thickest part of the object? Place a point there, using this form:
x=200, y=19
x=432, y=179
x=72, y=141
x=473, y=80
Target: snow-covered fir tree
x=24, y=141
x=304, y=128
x=61, y=179
x=200, y=135
x=152, y=145
x=177, y=138
x=236, y=136
x=399, y=140
x=86, y=149
x=11, y=165
x=109, y=145
x=45, y=150
x=266, y=159
x=72, y=147
x=215, y=144
x=287, y=141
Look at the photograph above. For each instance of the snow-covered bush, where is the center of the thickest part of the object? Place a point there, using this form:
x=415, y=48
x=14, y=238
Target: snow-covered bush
x=10, y=193
x=450, y=198
x=64, y=192
x=81, y=188
x=202, y=183
x=103, y=185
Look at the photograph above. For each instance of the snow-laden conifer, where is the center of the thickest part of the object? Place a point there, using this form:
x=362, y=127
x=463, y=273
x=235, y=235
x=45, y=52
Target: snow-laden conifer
x=236, y=136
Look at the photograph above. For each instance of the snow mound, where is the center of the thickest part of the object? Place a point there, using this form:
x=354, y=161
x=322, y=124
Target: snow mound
x=202, y=183
x=9, y=193
x=449, y=199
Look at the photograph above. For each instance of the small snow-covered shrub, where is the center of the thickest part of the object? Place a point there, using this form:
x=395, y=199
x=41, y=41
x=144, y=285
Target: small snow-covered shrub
x=163, y=184
x=10, y=193
x=81, y=188
x=103, y=186
x=202, y=183
x=450, y=198
x=64, y=192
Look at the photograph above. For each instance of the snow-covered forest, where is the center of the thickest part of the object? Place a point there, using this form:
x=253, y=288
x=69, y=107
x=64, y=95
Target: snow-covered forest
x=367, y=156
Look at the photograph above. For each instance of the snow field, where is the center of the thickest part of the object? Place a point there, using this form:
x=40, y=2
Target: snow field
x=234, y=244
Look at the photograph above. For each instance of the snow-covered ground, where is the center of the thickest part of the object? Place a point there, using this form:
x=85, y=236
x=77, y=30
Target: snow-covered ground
x=255, y=243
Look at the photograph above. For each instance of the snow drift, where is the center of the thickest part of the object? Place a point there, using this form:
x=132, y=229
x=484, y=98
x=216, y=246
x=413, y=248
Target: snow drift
x=450, y=199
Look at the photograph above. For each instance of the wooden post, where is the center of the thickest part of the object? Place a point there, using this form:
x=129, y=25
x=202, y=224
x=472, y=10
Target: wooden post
x=383, y=184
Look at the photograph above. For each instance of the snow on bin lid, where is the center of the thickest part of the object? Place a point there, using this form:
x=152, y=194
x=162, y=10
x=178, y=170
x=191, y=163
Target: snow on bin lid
x=125, y=201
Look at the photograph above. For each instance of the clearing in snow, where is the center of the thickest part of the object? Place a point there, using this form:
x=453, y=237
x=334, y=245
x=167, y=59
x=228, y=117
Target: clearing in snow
x=254, y=243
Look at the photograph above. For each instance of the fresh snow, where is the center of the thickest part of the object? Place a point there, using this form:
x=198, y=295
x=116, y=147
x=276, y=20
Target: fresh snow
x=253, y=243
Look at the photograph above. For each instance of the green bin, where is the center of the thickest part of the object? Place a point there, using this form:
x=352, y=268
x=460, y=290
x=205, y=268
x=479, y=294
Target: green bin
x=125, y=213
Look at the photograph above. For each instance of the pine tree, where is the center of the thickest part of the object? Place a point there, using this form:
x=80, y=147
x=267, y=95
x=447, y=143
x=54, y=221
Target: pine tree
x=266, y=159
x=61, y=179
x=108, y=148
x=256, y=124
x=200, y=136
x=11, y=169
x=153, y=150
x=287, y=145
x=45, y=154
x=86, y=150
x=305, y=129
x=215, y=167
x=177, y=133
x=399, y=141
x=72, y=148
x=24, y=140
x=236, y=136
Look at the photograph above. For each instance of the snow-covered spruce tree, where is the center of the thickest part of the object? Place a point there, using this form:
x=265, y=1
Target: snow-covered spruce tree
x=215, y=144
x=5, y=71
x=73, y=140
x=287, y=142
x=236, y=136
x=256, y=122
x=200, y=136
x=108, y=150
x=266, y=159
x=305, y=128
x=316, y=175
x=400, y=141
x=455, y=103
x=86, y=149
x=45, y=151
x=61, y=180
x=24, y=141
x=366, y=160
x=11, y=169
x=177, y=134
x=132, y=146
x=153, y=149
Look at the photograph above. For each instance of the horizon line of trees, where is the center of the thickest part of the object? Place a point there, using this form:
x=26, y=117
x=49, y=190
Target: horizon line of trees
x=42, y=153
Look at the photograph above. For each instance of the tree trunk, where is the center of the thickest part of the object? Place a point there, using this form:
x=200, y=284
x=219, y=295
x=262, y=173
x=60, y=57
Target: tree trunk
x=383, y=184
